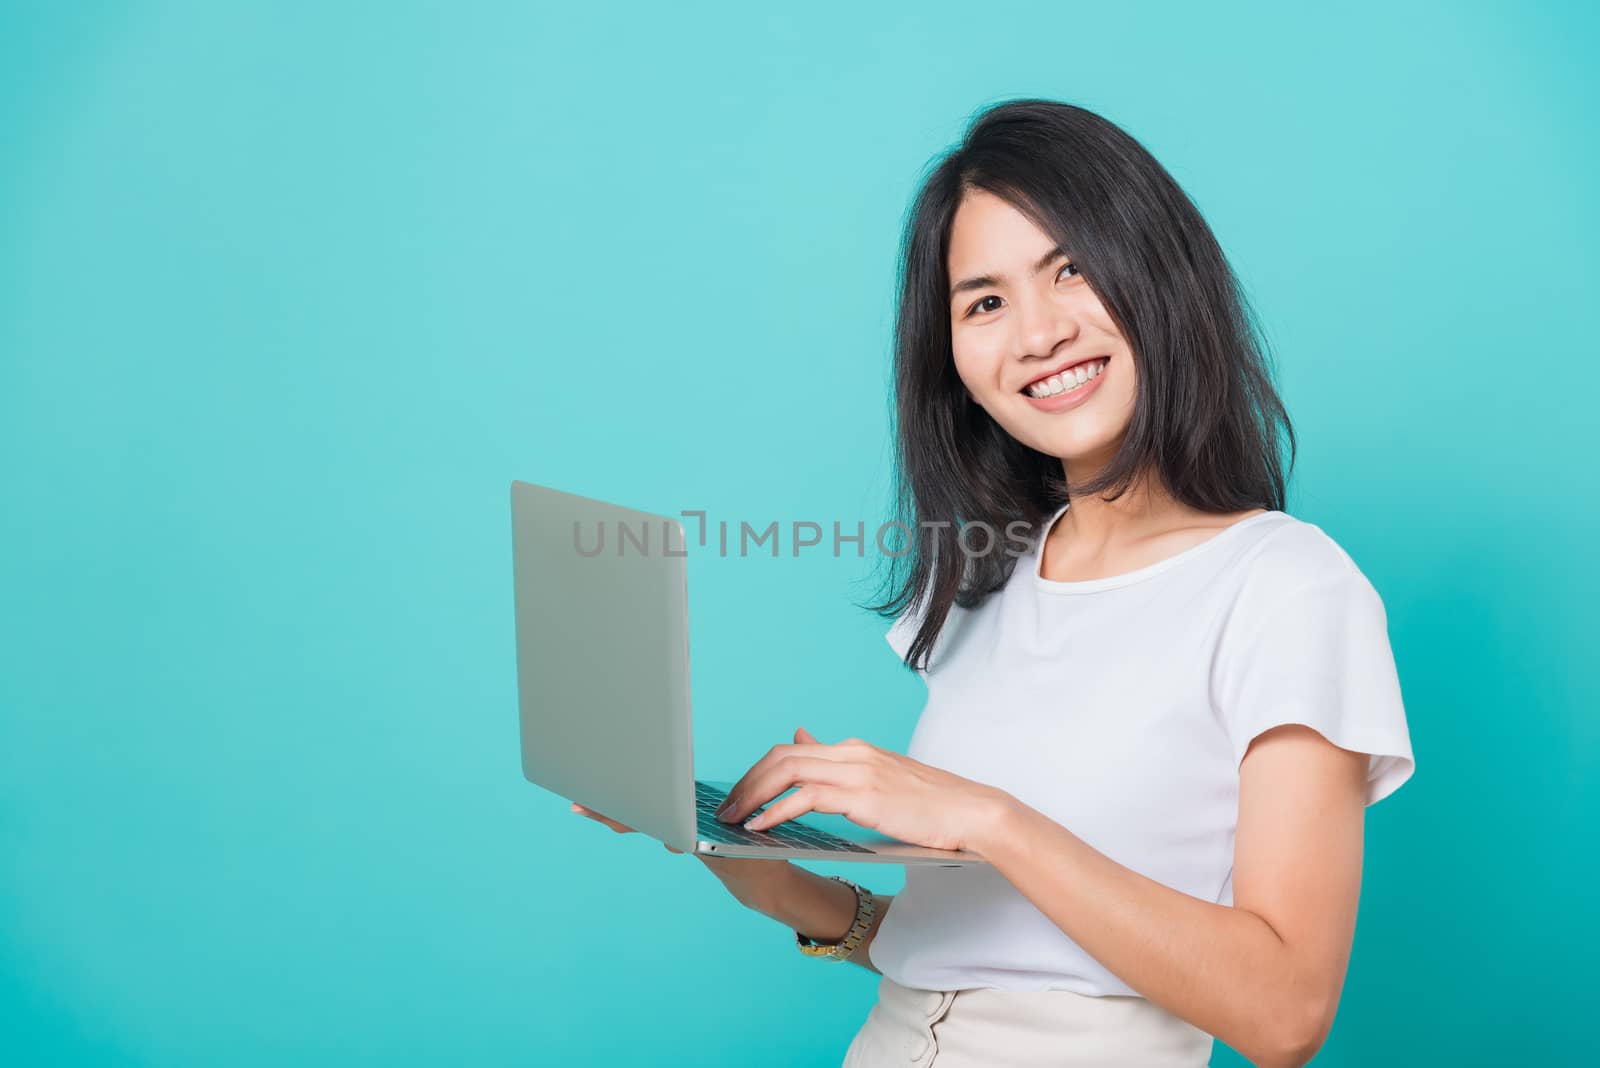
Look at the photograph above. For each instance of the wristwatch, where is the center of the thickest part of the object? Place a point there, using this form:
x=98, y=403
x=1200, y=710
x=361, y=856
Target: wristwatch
x=841, y=950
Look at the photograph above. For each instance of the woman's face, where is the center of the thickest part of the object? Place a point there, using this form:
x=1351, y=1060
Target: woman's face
x=1026, y=328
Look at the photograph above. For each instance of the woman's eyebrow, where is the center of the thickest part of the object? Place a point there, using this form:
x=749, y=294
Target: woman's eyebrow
x=984, y=281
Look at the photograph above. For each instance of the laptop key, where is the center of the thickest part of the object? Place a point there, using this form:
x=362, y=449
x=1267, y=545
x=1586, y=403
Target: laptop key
x=794, y=835
x=783, y=834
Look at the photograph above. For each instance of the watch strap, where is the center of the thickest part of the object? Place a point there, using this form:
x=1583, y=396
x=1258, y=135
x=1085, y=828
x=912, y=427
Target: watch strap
x=866, y=908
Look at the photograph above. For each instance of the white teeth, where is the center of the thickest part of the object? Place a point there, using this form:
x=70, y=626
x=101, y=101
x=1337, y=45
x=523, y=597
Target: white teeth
x=1066, y=380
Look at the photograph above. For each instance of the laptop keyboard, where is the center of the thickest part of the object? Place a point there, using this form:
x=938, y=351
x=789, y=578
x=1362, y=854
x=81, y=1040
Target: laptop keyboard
x=791, y=834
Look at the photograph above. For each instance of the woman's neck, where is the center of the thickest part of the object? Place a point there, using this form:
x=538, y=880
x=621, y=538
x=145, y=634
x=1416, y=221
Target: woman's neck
x=1094, y=526
x=1146, y=524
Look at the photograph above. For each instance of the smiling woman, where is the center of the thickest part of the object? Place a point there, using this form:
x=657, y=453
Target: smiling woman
x=1050, y=242
x=1160, y=722
x=1164, y=720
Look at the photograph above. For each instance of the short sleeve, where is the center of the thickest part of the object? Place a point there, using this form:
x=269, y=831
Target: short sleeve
x=1319, y=656
x=903, y=631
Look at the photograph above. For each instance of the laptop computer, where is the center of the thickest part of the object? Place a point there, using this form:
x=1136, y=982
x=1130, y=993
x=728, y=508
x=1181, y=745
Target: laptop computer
x=602, y=637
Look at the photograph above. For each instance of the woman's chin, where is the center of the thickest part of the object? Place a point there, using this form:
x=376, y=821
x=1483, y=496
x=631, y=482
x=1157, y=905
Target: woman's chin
x=1076, y=451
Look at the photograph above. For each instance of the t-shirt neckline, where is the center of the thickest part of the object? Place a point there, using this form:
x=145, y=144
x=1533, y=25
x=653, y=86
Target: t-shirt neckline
x=1127, y=578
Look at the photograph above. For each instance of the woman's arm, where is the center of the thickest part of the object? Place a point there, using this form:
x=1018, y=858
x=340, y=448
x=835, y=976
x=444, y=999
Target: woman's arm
x=818, y=907
x=1263, y=975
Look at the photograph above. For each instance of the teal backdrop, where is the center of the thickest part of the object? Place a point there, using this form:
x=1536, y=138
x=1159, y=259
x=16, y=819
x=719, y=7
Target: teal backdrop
x=289, y=293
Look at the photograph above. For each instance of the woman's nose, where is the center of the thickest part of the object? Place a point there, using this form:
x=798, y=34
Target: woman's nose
x=1042, y=326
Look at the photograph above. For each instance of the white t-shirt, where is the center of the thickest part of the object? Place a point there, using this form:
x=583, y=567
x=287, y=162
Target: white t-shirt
x=1121, y=708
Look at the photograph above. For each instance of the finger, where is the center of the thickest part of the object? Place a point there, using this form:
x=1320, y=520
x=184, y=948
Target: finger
x=741, y=790
x=809, y=798
x=789, y=771
x=856, y=745
x=620, y=828
x=738, y=789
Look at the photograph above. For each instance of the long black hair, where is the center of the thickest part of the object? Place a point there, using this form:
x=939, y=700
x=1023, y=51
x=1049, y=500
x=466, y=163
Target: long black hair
x=1207, y=416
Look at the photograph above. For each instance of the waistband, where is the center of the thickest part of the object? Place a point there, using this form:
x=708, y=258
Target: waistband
x=983, y=1026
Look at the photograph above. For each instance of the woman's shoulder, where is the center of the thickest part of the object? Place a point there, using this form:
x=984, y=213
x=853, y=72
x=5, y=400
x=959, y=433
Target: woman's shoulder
x=1298, y=571
x=1291, y=551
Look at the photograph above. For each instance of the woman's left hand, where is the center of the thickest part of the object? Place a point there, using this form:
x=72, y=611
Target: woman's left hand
x=872, y=787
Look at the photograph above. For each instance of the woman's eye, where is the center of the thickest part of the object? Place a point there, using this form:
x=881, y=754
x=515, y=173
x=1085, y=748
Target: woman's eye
x=979, y=307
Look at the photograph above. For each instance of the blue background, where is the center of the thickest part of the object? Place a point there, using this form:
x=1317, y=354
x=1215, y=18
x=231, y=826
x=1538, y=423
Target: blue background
x=290, y=293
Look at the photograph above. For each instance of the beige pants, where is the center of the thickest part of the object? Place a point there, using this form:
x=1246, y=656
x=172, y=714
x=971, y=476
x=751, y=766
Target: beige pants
x=986, y=1028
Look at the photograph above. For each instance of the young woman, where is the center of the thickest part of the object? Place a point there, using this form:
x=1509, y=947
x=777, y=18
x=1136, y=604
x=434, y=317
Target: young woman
x=1160, y=714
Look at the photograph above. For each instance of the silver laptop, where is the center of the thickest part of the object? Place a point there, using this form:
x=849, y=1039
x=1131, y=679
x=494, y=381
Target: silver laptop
x=602, y=626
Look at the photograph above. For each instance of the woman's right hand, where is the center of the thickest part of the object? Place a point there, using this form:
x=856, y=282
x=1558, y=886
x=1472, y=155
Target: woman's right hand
x=747, y=878
x=620, y=828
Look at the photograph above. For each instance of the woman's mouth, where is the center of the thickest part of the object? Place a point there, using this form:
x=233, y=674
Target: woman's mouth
x=1067, y=389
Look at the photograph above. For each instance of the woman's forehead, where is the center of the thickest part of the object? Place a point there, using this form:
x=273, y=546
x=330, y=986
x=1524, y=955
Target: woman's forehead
x=983, y=219
x=990, y=241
